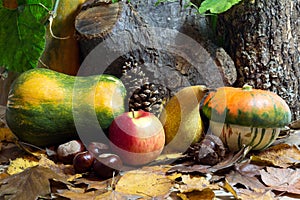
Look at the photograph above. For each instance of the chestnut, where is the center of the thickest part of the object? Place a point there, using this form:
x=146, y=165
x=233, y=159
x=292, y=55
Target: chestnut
x=105, y=165
x=67, y=151
x=97, y=148
x=83, y=162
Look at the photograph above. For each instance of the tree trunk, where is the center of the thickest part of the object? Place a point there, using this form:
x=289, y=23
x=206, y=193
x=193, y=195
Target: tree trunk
x=262, y=37
x=5, y=85
x=98, y=22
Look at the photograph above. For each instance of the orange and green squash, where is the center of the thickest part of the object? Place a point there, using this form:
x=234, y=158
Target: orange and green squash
x=245, y=116
x=42, y=102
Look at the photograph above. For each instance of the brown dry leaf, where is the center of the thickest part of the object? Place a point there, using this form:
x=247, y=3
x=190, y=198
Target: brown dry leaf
x=295, y=124
x=281, y=155
x=147, y=182
x=181, y=168
x=247, y=169
x=64, y=170
x=257, y=194
x=95, y=183
x=77, y=194
x=206, y=194
x=29, y=184
x=230, y=160
x=113, y=195
x=9, y=151
x=190, y=183
x=229, y=188
x=249, y=182
x=167, y=158
x=285, y=180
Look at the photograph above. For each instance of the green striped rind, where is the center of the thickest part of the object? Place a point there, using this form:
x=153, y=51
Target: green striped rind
x=278, y=116
x=236, y=136
x=50, y=122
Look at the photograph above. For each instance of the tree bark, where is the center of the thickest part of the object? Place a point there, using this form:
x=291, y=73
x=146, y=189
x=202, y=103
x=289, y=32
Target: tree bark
x=262, y=37
x=5, y=85
x=99, y=21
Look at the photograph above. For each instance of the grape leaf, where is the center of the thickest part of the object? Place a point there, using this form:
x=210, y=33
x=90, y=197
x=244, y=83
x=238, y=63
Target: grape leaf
x=22, y=38
x=216, y=6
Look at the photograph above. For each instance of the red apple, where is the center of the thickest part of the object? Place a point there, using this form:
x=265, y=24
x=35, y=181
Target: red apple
x=137, y=137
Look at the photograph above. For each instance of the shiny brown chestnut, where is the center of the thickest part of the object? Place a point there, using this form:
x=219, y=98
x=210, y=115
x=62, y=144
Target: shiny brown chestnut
x=97, y=148
x=67, y=151
x=83, y=162
x=107, y=164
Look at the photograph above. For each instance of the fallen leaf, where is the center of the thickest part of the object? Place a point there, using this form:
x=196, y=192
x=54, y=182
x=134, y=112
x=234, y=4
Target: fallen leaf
x=257, y=194
x=76, y=194
x=281, y=155
x=295, y=124
x=95, y=183
x=6, y=135
x=113, y=195
x=64, y=170
x=206, y=194
x=190, y=183
x=29, y=184
x=167, y=158
x=293, y=138
x=249, y=182
x=147, y=182
x=181, y=168
x=248, y=169
x=285, y=180
x=9, y=151
x=230, y=160
x=20, y=164
x=229, y=188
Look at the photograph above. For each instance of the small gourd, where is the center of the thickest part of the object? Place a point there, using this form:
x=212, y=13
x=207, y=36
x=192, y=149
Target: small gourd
x=245, y=116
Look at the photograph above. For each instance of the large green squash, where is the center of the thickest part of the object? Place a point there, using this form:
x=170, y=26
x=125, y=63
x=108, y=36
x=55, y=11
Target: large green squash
x=41, y=104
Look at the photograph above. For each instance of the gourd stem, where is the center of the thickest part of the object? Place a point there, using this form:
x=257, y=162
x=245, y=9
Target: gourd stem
x=247, y=87
x=53, y=14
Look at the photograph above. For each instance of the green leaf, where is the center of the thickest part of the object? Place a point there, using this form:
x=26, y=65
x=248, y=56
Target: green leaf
x=22, y=38
x=216, y=6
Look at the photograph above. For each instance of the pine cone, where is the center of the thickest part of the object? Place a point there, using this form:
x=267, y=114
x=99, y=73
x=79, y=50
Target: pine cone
x=143, y=94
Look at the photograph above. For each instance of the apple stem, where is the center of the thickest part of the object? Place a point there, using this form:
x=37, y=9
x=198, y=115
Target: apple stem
x=132, y=110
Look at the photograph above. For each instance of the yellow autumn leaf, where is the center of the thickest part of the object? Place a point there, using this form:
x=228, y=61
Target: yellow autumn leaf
x=206, y=194
x=7, y=135
x=190, y=183
x=147, y=182
x=281, y=155
x=20, y=164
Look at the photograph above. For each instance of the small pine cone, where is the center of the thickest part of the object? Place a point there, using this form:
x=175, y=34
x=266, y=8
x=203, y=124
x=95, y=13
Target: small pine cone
x=143, y=95
x=149, y=97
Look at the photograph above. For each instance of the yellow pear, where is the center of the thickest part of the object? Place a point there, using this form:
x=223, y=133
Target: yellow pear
x=181, y=118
